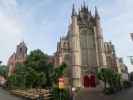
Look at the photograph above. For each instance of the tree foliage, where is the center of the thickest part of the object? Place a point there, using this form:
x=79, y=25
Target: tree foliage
x=36, y=72
x=60, y=94
x=3, y=70
x=110, y=78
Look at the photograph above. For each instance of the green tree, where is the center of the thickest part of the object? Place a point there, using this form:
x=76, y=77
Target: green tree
x=62, y=94
x=36, y=72
x=58, y=72
x=104, y=74
x=110, y=78
x=3, y=70
x=37, y=64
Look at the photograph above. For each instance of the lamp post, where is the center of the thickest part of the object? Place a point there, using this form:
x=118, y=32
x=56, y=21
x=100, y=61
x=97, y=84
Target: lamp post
x=73, y=93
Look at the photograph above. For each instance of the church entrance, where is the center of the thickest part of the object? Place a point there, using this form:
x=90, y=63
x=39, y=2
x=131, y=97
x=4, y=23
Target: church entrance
x=89, y=81
x=86, y=81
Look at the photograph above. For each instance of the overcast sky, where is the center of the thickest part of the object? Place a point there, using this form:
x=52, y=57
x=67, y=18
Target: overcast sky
x=40, y=23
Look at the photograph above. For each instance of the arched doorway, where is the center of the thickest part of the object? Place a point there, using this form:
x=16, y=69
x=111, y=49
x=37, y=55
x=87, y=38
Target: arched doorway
x=93, y=81
x=89, y=81
x=86, y=81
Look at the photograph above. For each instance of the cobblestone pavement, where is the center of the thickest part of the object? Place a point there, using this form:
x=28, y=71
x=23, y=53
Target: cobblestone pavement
x=86, y=94
x=4, y=95
x=93, y=94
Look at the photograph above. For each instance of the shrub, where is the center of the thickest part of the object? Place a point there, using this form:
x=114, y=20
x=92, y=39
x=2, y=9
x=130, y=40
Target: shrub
x=127, y=84
x=60, y=94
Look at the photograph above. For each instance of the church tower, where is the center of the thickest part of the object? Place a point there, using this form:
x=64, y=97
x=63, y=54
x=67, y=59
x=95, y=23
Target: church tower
x=82, y=49
x=17, y=57
x=99, y=41
x=74, y=45
x=21, y=52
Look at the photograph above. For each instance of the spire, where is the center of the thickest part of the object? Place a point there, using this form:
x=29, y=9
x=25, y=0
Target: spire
x=90, y=13
x=96, y=13
x=81, y=6
x=73, y=11
x=84, y=7
x=87, y=8
x=84, y=4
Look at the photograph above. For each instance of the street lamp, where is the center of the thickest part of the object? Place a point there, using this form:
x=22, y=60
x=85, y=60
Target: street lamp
x=73, y=93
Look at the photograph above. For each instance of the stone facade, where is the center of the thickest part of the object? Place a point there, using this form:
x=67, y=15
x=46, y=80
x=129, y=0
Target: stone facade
x=111, y=58
x=18, y=57
x=122, y=69
x=82, y=49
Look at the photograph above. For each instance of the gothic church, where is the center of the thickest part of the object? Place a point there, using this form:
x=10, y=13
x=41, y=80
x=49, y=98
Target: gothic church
x=83, y=48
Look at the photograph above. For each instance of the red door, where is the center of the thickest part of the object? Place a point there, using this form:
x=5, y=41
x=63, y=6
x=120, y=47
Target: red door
x=86, y=81
x=89, y=81
x=92, y=81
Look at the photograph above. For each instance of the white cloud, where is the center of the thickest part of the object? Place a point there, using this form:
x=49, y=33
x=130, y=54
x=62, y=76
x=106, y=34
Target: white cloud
x=117, y=24
x=10, y=28
x=117, y=21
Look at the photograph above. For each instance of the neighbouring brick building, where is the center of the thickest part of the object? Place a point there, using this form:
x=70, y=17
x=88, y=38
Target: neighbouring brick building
x=111, y=58
x=17, y=57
